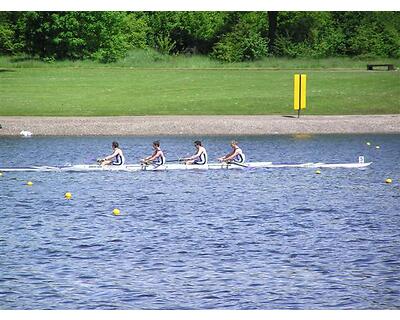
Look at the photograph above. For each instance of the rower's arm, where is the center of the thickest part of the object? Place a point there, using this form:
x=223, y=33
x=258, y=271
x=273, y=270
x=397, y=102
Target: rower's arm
x=232, y=155
x=154, y=156
x=112, y=155
x=195, y=156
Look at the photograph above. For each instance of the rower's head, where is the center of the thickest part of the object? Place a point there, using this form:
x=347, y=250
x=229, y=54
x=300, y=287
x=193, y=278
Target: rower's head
x=234, y=143
x=115, y=144
x=197, y=143
x=156, y=144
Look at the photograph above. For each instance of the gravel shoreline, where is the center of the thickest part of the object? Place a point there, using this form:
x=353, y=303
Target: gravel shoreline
x=198, y=125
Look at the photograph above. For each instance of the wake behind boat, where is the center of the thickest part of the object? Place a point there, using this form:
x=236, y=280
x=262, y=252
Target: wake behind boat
x=181, y=166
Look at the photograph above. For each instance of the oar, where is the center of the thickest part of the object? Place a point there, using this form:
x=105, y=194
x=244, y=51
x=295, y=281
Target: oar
x=238, y=164
x=177, y=160
x=174, y=160
x=235, y=163
x=97, y=160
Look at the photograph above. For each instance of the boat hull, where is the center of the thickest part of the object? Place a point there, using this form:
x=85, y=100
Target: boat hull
x=180, y=166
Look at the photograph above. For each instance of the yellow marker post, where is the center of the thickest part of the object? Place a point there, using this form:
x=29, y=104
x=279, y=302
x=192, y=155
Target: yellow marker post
x=300, y=86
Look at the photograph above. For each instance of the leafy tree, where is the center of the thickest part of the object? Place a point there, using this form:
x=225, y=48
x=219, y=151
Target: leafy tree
x=6, y=34
x=370, y=33
x=76, y=35
x=197, y=31
x=309, y=34
x=137, y=30
x=245, y=41
x=192, y=32
x=226, y=36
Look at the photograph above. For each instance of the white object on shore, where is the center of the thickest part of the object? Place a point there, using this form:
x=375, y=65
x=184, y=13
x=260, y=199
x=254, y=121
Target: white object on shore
x=25, y=133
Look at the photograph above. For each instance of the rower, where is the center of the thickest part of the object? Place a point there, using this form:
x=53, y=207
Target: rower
x=235, y=156
x=157, y=158
x=200, y=157
x=116, y=158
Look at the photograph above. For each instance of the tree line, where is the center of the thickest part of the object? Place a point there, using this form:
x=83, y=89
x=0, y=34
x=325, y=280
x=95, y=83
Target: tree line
x=225, y=36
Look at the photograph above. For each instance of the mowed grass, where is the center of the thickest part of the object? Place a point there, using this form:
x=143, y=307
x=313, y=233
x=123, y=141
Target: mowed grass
x=111, y=91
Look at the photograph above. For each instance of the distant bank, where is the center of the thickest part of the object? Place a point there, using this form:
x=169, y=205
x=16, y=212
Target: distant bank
x=199, y=125
x=167, y=92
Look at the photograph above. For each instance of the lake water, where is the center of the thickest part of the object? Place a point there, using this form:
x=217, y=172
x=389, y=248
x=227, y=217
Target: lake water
x=238, y=239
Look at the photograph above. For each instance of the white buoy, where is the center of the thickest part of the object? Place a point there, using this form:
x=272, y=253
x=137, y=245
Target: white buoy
x=25, y=133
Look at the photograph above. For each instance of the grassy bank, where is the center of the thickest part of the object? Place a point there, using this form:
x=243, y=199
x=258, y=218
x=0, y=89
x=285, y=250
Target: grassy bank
x=89, y=89
x=153, y=59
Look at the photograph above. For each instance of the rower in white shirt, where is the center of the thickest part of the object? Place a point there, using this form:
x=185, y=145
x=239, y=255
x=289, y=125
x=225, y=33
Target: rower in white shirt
x=235, y=156
x=200, y=157
x=157, y=158
x=116, y=158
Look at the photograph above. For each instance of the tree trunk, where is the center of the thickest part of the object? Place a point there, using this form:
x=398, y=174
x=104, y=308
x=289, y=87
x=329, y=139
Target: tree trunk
x=272, y=22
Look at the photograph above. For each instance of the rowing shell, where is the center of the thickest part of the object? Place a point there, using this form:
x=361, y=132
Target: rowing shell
x=181, y=166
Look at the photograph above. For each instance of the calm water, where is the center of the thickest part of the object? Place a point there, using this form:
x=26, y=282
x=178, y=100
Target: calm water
x=241, y=239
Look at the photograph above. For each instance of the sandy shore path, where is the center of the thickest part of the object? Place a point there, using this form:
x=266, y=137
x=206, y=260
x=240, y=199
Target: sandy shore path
x=198, y=125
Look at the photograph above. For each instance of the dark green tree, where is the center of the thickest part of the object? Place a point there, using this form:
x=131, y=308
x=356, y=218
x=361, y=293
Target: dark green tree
x=226, y=36
x=76, y=35
x=246, y=40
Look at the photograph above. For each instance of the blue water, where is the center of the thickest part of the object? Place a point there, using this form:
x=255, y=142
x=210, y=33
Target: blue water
x=239, y=239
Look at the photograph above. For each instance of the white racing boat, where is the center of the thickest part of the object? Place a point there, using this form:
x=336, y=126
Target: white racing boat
x=181, y=166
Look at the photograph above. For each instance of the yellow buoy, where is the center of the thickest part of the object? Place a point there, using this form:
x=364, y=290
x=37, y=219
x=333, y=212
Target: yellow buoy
x=388, y=180
x=318, y=172
x=29, y=183
x=68, y=195
x=116, y=212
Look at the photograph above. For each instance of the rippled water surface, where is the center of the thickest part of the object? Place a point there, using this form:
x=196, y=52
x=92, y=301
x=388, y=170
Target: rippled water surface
x=239, y=239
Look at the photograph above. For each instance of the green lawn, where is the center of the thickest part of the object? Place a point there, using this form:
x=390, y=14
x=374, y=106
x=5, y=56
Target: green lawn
x=100, y=91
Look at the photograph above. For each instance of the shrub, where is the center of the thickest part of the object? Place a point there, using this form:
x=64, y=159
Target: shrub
x=235, y=47
x=375, y=39
x=309, y=34
x=136, y=30
x=243, y=43
x=6, y=38
x=164, y=44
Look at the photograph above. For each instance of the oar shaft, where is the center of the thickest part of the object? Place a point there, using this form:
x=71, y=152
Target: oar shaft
x=174, y=160
x=238, y=164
